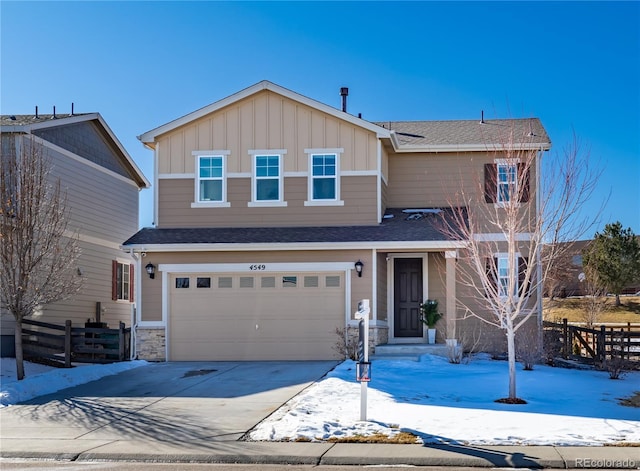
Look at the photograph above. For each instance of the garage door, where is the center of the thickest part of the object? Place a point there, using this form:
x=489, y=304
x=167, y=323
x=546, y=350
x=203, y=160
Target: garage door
x=267, y=316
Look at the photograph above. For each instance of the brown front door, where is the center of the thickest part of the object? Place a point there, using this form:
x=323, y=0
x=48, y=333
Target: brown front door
x=407, y=297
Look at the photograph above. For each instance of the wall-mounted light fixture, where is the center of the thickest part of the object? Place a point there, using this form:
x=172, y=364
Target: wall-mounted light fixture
x=359, y=266
x=151, y=270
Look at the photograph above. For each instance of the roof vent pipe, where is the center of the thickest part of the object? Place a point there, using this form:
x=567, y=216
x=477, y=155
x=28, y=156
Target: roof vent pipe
x=344, y=91
x=36, y=111
x=482, y=117
x=54, y=112
x=71, y=108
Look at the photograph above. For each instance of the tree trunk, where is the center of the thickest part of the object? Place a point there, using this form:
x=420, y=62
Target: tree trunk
x=19, y=355
x=511, y=349
x=618, y=303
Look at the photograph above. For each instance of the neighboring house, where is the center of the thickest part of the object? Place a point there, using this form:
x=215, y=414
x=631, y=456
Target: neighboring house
x=266, y=204
x=568, y=278
x=102, y=183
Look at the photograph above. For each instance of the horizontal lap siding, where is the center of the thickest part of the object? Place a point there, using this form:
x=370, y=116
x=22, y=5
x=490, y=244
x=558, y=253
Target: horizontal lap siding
x=100, y=205
x=358, y=194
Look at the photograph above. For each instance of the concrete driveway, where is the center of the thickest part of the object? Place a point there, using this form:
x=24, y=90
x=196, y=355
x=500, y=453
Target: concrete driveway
x=182, y=404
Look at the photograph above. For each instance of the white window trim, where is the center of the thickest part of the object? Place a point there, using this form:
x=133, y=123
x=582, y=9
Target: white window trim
x=504, y=163
x=505, y=256
x=280, y=202
x=196, y=195
x=323, y=202
x=127, y=263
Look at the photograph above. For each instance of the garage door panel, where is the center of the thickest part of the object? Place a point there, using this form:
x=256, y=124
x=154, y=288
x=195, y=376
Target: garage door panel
x=293, y=320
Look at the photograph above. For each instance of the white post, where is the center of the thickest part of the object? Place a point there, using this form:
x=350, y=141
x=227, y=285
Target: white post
x=363, y=314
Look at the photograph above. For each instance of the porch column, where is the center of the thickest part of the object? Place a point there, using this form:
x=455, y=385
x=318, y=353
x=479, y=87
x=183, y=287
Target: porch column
x=451, y=256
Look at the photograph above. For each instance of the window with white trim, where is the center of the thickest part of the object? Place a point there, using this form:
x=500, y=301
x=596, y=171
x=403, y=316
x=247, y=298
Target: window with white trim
x=121, y=281
x=210, y=178
x=324, y=177
x=267, y=180
x=323, y=187
x=503, y=276
x=211, y=184
x=507, y=184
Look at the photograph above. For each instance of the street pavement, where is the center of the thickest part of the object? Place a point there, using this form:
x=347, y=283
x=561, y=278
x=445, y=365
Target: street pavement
x=199, y=412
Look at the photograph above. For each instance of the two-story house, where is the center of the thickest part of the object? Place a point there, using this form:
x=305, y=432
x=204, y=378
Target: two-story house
x=102, y=185
x=275, y=214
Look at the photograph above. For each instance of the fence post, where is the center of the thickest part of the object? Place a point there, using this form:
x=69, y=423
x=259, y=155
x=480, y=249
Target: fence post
x=121, y=341
x=565, y=338
x=67, y=343
x=602, y=349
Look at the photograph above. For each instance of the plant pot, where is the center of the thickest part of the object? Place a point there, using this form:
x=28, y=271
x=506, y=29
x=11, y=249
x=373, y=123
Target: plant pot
x=431, y=335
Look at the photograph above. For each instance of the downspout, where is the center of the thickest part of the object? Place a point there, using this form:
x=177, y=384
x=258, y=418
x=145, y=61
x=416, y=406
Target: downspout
x=134, y=308
x=379, y=185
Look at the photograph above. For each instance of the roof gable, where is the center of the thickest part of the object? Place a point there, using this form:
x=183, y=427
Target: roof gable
x=149, y=137
x=97, y=144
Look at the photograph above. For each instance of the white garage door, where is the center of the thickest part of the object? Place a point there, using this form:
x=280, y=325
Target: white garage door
x=267, y=316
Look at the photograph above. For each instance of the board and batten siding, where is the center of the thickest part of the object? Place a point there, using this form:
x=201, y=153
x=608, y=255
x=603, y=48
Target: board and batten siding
x=267, y=120
x=358, y=193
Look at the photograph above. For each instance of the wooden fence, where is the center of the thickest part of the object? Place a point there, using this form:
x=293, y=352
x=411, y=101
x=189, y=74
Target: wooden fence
x=596, y=345
x=63, y=344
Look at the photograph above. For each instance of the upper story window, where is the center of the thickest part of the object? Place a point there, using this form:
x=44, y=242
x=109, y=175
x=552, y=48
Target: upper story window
x=267, y=182
x=211, y=179
x=324, y=177
x=506, y=181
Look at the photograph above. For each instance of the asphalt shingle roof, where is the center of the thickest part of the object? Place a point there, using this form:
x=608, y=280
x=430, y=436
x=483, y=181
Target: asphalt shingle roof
x=400, y=227
x=467, y=132
x=27, y=119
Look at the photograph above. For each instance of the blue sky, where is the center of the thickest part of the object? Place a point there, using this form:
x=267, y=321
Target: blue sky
x=575, y=65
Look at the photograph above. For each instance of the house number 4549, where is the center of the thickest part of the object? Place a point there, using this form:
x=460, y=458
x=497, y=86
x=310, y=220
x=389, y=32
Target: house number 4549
x=257, y=267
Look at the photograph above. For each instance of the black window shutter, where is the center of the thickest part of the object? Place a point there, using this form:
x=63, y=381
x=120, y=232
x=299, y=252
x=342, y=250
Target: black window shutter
x=491, y=267
x=114, y=280
x=523, y=290
x=490, y=183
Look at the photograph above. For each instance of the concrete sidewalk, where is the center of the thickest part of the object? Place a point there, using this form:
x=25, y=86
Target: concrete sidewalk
x=87, y=450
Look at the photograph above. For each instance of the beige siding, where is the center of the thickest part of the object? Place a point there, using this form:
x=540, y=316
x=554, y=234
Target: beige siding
x=267, y=121
x=100, y=204
x=437, y=282
x=151, y=309
x=358, y=193
x=95, y=264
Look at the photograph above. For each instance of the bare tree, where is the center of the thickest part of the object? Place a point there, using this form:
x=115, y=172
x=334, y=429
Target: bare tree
x=505, y=221
x=37, y=253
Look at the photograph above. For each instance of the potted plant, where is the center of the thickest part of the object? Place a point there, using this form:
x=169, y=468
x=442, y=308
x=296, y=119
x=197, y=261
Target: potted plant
x=429, y=316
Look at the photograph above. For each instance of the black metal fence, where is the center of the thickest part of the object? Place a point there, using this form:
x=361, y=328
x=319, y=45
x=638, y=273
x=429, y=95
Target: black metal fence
x=63, y=344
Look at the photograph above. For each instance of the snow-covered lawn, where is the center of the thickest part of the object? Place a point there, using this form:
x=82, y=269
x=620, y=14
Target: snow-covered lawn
x=446, y=403
x=435, y=400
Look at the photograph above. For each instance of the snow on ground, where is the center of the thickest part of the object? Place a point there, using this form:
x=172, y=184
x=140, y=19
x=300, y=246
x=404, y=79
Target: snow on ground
x=40, y=380
x=438, y=401
x=446, y=403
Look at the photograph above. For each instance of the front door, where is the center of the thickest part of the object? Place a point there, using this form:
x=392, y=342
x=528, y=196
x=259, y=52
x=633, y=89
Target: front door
x=407, y=297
